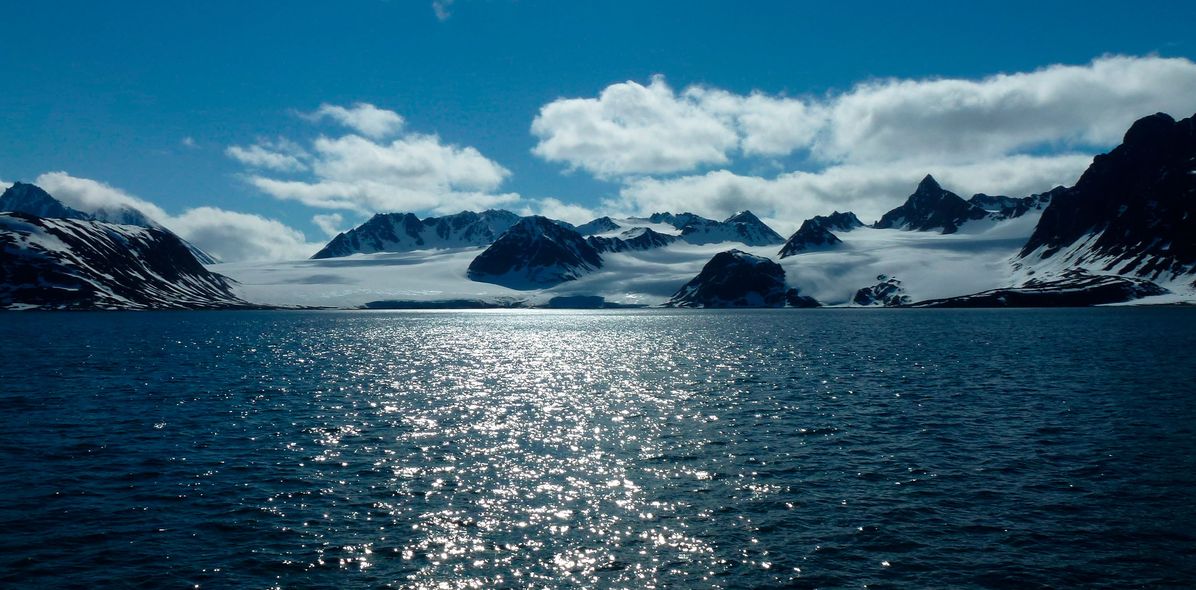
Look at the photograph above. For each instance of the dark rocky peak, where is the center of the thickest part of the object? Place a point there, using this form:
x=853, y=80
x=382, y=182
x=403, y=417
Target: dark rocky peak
x=679, y=220
x=1000, y=207
x=598, y=226
x=928, y=185
x=31, y=199
x=931, y=207
x=836, y=221
x=734, y=279
x=887, y=292
x=1139, y=200
x=537, y=252
x=812, y=235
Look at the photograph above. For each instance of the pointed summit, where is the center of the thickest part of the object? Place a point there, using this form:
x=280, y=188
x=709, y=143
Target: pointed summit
x=745, y=216
x=929, y=184
x=29, y=198
x=931, y=207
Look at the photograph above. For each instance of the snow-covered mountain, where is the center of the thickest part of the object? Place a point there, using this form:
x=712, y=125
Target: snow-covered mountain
x=48, y=263
x=404, y=232
x=931, y=207
x=638, y=238
x=743, y=227
x=1126, y=230
x=536, y=252
x=1001, y=207
x=33, y=200
x=816, y=232
x=601, y=225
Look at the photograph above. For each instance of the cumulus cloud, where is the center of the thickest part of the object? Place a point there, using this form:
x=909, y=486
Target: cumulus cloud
x=868, y=190
x=330, y=224
x=631, y=130
x=362, y=117
x=230, y=236
x=412, y=172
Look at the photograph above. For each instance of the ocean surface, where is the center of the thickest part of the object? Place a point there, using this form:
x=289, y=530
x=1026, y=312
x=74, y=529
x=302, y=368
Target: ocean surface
x=591, y=449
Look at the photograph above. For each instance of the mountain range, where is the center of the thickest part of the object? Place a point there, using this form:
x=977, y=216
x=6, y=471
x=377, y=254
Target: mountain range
x=1126, y=231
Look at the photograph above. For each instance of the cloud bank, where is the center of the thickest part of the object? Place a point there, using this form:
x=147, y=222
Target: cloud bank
x=864, y=148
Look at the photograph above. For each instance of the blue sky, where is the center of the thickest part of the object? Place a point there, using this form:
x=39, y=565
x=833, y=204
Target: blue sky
x=566, y=108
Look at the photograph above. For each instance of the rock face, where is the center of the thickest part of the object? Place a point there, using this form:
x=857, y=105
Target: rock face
x=930, y=208
x=743, y=227
x=80, y=265
x=734, y=279
x=679, y=220
x=815, y=233
x=887, y=292
x=598, y=226
x=1077, y=289
x=1001, y=208
x=535, y=253
x=639, y=238
x=1134, y=209
x=404, y=232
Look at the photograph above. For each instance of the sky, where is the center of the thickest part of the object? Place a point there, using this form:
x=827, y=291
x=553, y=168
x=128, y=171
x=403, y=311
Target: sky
x=258, y=130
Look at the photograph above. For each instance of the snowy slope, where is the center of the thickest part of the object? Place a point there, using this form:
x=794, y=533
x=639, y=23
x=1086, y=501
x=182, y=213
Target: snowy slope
x=404, y=232
x=77, y=264
x=31, y=199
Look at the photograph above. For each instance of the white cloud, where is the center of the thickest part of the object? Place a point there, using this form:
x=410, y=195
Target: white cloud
x=630, y=129
x=868, y=190
x=330, y=224
x=188, y=142
x=362, y=117
x=414, y=172
x=281, y=156
x=960, y=120
x=230, y=236
x=766, y=125
x=441, y=9
x=4, y=185
x=556, y=209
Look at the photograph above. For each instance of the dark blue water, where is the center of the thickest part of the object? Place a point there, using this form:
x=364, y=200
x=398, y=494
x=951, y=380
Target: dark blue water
x=819, y=449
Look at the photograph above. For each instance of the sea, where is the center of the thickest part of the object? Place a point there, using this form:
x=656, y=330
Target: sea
x=851, y=448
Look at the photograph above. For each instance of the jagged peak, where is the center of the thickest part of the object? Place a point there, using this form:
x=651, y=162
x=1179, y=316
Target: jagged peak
x=745, y=216
x=928, y=183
